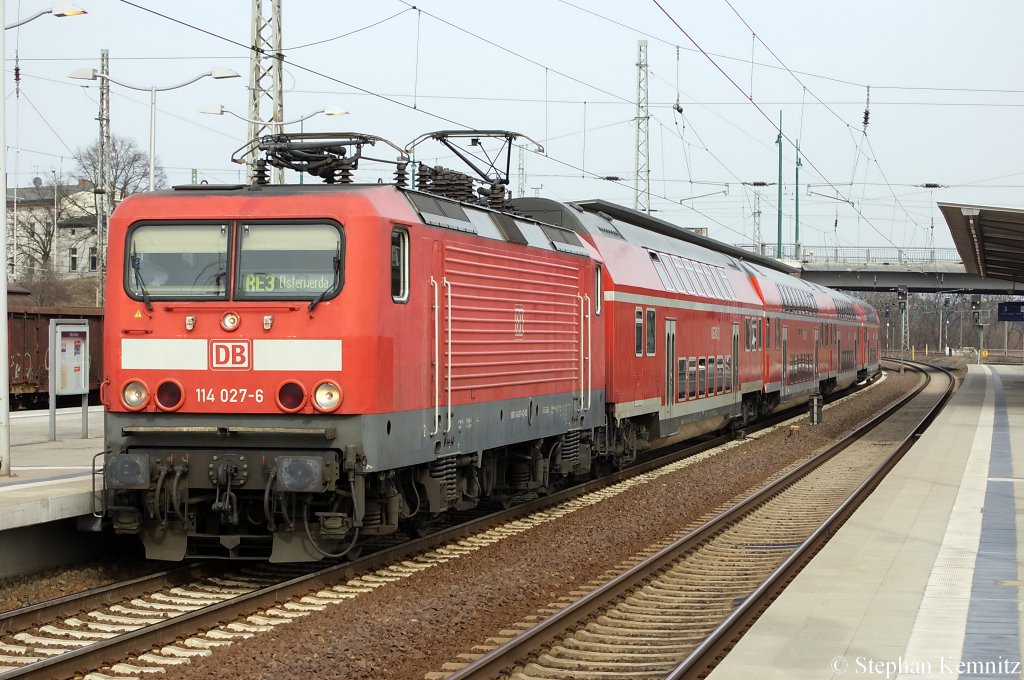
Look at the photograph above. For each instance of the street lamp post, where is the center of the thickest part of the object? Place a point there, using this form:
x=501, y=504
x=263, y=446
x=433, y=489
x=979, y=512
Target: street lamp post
x=327, y=110
x=57, y=9
x=92, y=74
x=54, y=250
x=60, y=10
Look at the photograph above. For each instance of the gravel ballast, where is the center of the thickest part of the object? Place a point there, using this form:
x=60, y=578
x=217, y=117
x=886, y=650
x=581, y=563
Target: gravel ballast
x=415, y=625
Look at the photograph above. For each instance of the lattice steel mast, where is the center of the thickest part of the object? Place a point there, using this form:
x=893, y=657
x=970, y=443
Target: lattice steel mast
x=642, y=195
x=104, y=189
x=266, y=96
x=522, y=173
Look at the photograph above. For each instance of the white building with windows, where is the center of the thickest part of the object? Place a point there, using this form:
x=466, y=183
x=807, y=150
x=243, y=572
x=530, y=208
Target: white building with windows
x=52, y=232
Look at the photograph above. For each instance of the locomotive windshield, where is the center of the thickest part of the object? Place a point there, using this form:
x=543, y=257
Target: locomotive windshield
x=293, y=261
x=274, y=261
x=178, y=261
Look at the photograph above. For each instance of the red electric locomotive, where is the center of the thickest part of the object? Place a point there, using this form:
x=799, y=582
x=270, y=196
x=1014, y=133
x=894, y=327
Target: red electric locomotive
x=290, y=369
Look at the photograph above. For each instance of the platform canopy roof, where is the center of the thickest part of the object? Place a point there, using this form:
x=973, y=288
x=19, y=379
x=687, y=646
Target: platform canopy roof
x=990, y=240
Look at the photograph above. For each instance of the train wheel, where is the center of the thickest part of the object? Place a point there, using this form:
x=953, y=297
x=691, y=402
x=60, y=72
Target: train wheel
x=414, y=527
x=355, y=552
x=749, y=411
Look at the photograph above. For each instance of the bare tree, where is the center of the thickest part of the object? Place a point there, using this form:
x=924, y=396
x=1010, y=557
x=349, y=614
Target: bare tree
x=129, y=171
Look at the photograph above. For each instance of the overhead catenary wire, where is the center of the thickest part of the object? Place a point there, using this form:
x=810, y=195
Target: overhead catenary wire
x=367, y=92
x=866, y=118
x=350, y=33
x=595, y=102
x=294, y=65
x=320, y=74
x=763, y=113
x=46, y=122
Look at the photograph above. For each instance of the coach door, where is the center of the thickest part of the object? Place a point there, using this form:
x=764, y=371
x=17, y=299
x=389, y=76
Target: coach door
x=817, y=351
x=670, y=368
x=785, y=359
x=735, y=367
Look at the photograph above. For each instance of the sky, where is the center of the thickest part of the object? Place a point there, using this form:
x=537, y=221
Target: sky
x=944, y=103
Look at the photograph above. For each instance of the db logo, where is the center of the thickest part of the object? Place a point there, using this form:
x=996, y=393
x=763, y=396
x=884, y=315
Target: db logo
x=230, y=355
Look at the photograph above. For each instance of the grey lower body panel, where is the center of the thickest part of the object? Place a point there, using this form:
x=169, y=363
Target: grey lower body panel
x=387, y=441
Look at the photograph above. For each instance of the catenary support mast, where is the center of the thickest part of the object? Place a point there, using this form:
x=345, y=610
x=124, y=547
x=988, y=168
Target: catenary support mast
x=642, y=194
x=266, y=100
x=104, y=184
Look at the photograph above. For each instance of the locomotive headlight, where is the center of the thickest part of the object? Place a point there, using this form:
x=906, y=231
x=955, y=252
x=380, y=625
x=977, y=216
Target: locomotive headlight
x=230, y=321
x=300, y=473
x=127, y=471
x=327, y=396
x=135, y=395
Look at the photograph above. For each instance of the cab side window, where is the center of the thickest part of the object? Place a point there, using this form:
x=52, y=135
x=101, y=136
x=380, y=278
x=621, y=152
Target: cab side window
x=399, y=264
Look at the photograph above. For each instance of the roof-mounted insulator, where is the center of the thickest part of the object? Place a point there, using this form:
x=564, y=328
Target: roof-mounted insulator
x=401, y=174
x=496, y=199
x=343, y=175
x=262, y=174
x=422, y=176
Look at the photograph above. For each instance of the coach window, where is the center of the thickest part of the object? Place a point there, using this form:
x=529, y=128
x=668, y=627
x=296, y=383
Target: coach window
x=728, y=284
x=702, y=376
x=651, y=333
x=716, y=288
x=290, y=261
x=681, y=382
x=399, y=265
x=638, y=334
x=691, y=378
x=177, y=261
x=728, y=374
x=662, y=272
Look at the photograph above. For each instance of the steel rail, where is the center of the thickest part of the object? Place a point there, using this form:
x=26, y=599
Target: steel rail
x=93, y=656
x=713, y=649
x=46, y=612
x=500, y=661
x=82, y=660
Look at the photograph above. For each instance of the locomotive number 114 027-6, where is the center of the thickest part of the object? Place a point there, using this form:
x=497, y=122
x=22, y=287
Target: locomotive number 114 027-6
x=228, y=395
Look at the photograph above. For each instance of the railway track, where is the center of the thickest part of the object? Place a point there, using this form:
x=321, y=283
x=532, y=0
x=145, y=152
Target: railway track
x=140, y=620
x=675, y=613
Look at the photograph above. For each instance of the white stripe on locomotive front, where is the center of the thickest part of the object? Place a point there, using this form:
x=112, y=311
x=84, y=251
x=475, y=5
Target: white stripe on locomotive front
x=193, y=355
x=296, y=355
x=169, y=355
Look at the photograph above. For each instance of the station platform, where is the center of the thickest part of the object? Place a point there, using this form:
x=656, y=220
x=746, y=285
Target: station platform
x=924, y=581
x=50, y=486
